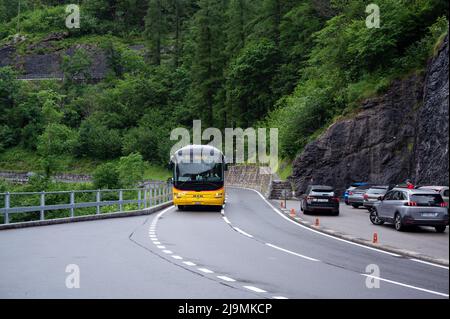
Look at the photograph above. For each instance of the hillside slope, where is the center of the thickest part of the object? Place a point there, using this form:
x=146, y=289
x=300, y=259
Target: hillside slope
x=401, y=134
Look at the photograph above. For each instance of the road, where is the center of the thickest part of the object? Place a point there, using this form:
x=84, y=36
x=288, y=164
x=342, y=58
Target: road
x=247, y=251
x=355, y=222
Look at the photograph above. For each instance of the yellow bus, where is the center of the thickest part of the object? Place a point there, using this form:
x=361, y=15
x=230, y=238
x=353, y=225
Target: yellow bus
x=198, y=177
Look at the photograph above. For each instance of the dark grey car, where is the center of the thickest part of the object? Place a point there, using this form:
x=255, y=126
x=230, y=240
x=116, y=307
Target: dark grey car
x=320, y=198
x=408, y=207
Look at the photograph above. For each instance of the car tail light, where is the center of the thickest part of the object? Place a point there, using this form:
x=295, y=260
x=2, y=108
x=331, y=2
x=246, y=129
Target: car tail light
x=444, y=204
x=411, y=204
x=366, y=197
x=335, y=199
x=350, y=193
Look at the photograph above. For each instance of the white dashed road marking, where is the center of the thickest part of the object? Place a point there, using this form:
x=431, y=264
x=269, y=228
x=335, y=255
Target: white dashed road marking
x=152, y=235
x=225, y=278
x=255, y=289
x=291, y=252
x=189, y=263
x=205, y=270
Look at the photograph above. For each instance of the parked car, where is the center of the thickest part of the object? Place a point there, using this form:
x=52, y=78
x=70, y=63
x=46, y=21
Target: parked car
x=350, y=189
x=320, y=198
x=407, y=207
x=356, y=196
x=374, y=194
x=443, y=190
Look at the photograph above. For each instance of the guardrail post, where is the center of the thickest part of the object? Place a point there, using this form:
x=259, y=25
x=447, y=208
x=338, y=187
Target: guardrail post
x=139, y=199
x=42, y=217
x=72, y=204
x=151, y=196
x=145, y=197
x=158, y=201
x=120, y=201
x=98, y=199
x=7, y=205
x=163, y=197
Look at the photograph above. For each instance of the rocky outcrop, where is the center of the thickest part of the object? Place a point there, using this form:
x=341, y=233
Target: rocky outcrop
x=44, y=59
x=431, y=148
x=401, y=134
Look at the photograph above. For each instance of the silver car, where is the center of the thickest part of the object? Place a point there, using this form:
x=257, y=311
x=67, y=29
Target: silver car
x=407, y=207
x=356, y=196
x=443, y=190
x=373, y=194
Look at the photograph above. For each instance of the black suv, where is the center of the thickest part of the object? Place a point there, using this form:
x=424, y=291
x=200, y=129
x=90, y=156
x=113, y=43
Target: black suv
x=320, y=198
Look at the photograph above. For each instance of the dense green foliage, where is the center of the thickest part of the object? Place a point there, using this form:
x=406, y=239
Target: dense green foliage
x=295, y=65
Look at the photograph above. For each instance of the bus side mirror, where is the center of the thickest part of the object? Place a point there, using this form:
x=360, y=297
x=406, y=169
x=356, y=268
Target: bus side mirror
x=170, y=180
x=170, y=166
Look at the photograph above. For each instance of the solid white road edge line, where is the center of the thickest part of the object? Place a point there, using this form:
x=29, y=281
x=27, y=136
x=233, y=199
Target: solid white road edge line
x=407, y=286
x=242, y=232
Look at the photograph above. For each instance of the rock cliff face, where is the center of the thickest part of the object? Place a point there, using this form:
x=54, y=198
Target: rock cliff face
x=431, y=152
x=44, y=59
x=402, y=134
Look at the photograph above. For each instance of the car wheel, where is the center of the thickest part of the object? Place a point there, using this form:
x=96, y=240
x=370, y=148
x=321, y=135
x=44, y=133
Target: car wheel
x=398, y=222
x=336, y=213
x=440, y=228
x=355, y=206
x=374, y=218
x=181, y=208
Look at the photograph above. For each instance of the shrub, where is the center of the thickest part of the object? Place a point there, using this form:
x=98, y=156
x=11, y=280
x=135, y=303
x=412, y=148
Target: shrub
x=106, y=176
x=131, y=170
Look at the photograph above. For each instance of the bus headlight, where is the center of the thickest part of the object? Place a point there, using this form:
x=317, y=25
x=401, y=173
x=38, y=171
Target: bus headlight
x=219, y=195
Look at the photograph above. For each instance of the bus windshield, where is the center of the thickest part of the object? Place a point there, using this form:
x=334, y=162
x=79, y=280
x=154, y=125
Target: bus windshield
x=199, y=172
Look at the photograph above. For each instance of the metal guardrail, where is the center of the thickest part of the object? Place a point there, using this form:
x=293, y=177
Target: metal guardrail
x=141, y=197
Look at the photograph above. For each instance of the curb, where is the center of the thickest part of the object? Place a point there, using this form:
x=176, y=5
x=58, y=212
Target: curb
x=390, y=249
x=77, y=219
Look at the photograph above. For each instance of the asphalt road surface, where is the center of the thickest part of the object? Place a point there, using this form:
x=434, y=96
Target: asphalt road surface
x=248, y=251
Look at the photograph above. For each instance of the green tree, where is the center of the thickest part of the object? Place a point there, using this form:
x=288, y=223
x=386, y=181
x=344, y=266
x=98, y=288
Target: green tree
x=208, y=60
x=77, y=67
x=57, y=140
x=131, y=170
x=97, y=141
x=106, y=176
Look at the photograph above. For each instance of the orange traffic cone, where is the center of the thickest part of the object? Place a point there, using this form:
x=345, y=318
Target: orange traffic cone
x=317, y=222
x=375, y=238
x=292, y=212
x=282, y=205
